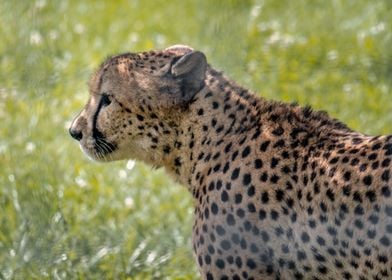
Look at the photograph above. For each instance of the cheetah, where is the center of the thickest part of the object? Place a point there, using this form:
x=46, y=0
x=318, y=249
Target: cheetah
x=280, y=191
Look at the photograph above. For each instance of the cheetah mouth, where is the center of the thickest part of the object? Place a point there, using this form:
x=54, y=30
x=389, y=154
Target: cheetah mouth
x=99, y=149
x=102, y=148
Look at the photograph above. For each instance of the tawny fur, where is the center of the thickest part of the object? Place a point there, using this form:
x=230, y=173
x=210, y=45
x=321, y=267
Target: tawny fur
x=280, y=191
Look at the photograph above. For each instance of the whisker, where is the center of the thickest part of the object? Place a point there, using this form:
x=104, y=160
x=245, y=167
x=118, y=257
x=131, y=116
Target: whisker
x=104, y=148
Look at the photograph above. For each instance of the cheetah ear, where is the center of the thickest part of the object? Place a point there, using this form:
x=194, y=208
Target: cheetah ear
x=190, y=70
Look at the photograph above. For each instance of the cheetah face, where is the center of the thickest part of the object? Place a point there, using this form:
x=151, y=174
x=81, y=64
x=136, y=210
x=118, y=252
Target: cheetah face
x=134, y=103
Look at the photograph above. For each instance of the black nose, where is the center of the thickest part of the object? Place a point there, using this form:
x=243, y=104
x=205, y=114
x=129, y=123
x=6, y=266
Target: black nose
x=78, y=135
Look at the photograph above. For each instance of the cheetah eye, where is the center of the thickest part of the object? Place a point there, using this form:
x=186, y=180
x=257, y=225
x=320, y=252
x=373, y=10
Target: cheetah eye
x=105, y=100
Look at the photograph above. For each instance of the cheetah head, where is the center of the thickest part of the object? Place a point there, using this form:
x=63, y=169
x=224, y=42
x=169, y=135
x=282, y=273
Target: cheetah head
x=136, y=101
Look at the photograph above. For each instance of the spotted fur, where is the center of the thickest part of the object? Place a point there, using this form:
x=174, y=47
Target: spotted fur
x=280, y=191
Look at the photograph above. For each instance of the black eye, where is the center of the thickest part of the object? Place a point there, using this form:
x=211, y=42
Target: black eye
x=105, y=100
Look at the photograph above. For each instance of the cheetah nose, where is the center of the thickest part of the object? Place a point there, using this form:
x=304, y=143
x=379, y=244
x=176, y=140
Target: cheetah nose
x=76, y=134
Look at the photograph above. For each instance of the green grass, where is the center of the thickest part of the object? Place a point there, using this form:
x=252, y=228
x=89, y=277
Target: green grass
x=65, y=217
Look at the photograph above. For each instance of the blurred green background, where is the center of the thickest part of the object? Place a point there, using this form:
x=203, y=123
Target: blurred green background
x=65, y=217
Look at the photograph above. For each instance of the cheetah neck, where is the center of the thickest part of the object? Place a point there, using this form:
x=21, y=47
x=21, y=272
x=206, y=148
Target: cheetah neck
x=222, y=110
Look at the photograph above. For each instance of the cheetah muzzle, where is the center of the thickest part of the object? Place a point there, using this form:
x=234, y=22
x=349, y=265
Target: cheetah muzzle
x=280, y=191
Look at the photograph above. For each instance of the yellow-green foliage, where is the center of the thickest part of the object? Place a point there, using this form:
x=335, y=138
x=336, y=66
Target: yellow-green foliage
x=65, y=217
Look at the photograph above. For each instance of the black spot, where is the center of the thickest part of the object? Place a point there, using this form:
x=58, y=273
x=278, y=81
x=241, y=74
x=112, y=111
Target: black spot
x=209, y=276
x=264, y=177
x=349, y=232
x=251, y=208
x=251, y=191
x=319, y=258
x=166, y=149
x=367, y=180
x=357, y=197
x=278, y=131
x=373, y=219
x=301, y=255
x=363, y=167
x=235, y=238
x=240, y=213
x=274, y=162
x=220, y=230
x=235, y=173
x=246, y=152
x=251, y=264
x=386, y=162
x=258, y=164
x=224, y=196
x=226, y=167
x=388, y=149
x=265, y=197
x=347, y=176
x=228, y=147
x=359, y=210
x=238, y=262
x=312, y=223
x=265, y=236
x=211, y=186
x=200, y=260
x=322, y=269
x=279, y=195
x=230, y=220
x=234, y=155
x=338, y=264
x=220, y=263
x=320, y=241
x=354, y=264
x=238, y=198
x=334, y=160
x=385, y=176
x=331, y=251
x=177, y=161
x=385, y=191
x=264, y=146
x=388, y=210
x=262, y=214
x=274, y=215
x=371, y=195
x=305, y=237
x=369, y=264
x=214, y=208
x=371, y=233
x=389, y=228
x=358, y=223
x=332, y=231
x=279, y=143
x=254, y=248
x=274, y=178
x=270, y=269
x=330, y=195
x=285, y=169
x=246, y=179
x=285, y=249
x=225, y=245
x=383, y=259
